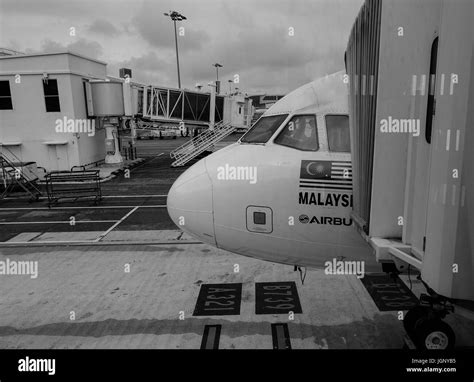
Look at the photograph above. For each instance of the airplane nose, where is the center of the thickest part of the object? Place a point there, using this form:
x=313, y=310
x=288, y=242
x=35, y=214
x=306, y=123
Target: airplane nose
x=189, y=203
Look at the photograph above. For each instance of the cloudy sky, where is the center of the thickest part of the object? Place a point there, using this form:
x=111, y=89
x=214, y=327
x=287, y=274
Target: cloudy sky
x=250, y=38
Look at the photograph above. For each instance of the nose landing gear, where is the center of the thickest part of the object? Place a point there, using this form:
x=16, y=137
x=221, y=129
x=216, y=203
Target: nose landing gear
x=424, y=324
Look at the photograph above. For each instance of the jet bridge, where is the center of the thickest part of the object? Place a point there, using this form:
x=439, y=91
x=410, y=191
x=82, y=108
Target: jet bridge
x=179, y=105
x=413, y=186
x=126, y=104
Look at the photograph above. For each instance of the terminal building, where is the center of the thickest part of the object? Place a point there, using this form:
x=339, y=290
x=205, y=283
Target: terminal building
x=36, y=92
x=261, y=103
x=265, y=101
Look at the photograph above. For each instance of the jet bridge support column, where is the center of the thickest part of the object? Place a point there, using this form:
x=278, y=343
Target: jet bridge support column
x=212, y=105
x=112, y=148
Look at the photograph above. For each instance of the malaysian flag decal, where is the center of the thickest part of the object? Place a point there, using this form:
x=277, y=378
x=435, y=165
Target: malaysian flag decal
x=326, y=175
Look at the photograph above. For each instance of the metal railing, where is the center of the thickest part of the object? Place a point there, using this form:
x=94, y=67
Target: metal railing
x=13, y=176
x=200, y=143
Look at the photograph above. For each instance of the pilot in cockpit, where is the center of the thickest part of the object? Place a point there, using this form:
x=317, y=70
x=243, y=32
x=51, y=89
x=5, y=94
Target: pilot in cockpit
x=299, y=133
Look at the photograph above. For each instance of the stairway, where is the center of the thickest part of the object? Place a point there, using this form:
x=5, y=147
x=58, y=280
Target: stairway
x=204, y=141
x=13, y=177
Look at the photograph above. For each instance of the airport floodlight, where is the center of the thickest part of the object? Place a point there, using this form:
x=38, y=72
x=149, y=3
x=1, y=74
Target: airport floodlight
x=217, y=66
x=175, y=16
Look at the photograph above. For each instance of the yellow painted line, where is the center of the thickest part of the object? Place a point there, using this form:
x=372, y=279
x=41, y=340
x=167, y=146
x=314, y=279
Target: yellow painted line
x=136, y=196
x=103, y=196
x=59, y=222
x=80, y=208
x=116, y=224
x=68, y=243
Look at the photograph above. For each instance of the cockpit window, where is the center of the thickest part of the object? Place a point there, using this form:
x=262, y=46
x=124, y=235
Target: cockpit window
x=339, y=139
x=300, y=133
x=262, y=131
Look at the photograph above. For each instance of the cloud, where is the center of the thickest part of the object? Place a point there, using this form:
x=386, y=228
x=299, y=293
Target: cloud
x=82, y=46
x=158, y=30
x=61, y=8
x=248, y=37
x=103, y=27
x=148, y=68
x=265, y=56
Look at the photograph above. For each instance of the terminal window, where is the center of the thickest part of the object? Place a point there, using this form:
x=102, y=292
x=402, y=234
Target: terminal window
x=51, y=95
x=5, y=96
x=337, y=127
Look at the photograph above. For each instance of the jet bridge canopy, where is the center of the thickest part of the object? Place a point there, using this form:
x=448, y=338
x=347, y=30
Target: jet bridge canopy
x=166, y=104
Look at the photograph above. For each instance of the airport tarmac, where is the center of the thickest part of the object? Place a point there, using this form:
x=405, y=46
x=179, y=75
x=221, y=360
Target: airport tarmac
x=133, y=208
x=85, y=298
x=123, y=276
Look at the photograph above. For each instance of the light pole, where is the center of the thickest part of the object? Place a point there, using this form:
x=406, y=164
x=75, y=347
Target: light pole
x=218, y=84
x=176, y=16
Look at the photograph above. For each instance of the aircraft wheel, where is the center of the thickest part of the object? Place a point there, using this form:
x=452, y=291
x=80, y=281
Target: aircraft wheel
x=412, y=317
x=434, y=334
